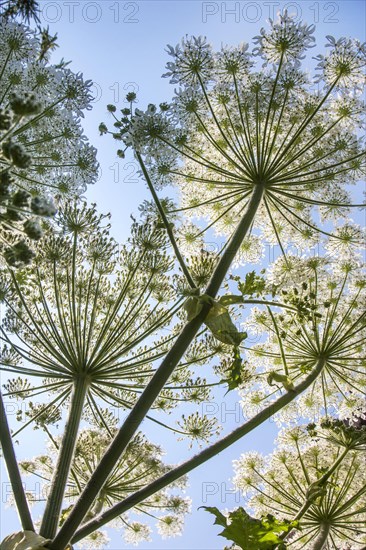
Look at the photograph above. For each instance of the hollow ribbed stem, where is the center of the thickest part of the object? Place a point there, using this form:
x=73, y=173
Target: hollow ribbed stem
x=200, y=458
x=13, y=471
x=322, y=537
x=157, y=382
x=55, y=498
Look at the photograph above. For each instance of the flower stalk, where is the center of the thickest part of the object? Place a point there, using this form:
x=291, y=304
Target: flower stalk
x=54, y=502
x=322, y=537
x=13, y=470
x=166, y=223
x=319, y=484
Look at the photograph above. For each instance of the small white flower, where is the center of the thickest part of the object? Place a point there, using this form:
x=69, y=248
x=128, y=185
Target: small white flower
x=250, y=251
x=170, y=526
x=233, y=62
x=136, y=532
x=94, y=541
x=193, y=62
x=345, y=63
x=286, y=39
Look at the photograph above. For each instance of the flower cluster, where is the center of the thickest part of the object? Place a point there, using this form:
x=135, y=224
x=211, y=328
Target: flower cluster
x=43, y=152
x=319, y=317
x=318, y=481
x=26, y=10
x=230, y=129
x=199, y=427
x=345, y=65
x=77, y=311
x=139, y=465
x=286, y=41
x=83, y=308
x=193, y=61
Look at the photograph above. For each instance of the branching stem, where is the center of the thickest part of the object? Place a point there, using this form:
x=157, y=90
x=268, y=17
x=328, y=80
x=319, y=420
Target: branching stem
x=166, y=223
x=322, y=537
x=200, y=458
x=157, y=382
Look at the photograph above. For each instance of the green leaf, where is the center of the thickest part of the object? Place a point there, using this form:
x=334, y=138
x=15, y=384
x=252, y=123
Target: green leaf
x=252, y=285
x=193, y=306
x=234, y=373
x=251, y=533
x=218, y=320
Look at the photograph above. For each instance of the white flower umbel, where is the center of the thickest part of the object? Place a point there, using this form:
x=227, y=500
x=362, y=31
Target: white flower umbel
x=317, y=479
x=85, y=310
x=136, y=532
x=139, y=465
x=285, y=41
x=170, y=526
x=44, y=154
x=96, y=541
x=345, y=63
x=232, y=129
x=321, y=318
x=192, y=61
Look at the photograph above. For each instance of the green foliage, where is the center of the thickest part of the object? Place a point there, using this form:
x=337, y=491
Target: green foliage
x=251, y=533
x=253, y=284
x=218, y=319
x=234, y=375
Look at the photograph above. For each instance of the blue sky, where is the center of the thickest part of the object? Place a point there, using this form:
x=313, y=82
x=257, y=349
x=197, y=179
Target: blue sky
x=120, y=46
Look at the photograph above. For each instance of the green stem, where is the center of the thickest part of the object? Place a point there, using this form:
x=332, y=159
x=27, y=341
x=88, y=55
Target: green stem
x=269, y=303
x=57, y=447
x=282, y=351
x=200, y=458
x=166, y=223
x=322, y=537
x=298, y=132
x=157, y=382
x=230, y=299
x=13, y=471
x=6, y=62
x=54, y=501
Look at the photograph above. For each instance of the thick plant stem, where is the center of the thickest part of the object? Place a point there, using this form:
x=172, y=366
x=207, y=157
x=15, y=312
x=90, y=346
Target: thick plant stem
x=13, y=471
x=322, y=537
x=200, y=458
x=157, y=382
x=54, y=501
